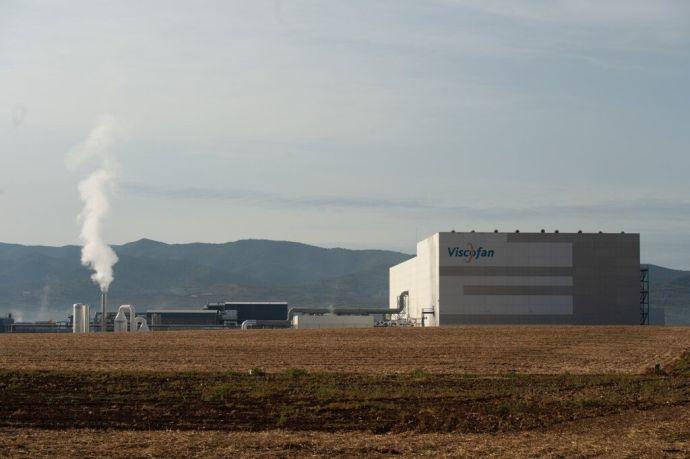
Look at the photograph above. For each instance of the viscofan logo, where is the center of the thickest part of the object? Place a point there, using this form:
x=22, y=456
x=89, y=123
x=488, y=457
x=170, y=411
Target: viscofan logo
x=470, y=253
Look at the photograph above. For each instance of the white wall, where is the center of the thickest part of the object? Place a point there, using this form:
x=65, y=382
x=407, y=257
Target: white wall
x=332, y=321
x=427, y=279
x=402, y=278
x=419, y=276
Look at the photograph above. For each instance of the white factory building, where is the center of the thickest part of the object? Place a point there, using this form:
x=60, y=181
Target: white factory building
x=524, y=278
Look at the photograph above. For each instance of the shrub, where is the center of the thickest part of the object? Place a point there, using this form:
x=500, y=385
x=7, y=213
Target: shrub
x=296, y=372
x=419, y=374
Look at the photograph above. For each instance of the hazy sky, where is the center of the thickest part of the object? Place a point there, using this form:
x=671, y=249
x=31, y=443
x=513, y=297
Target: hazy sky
x=351, y=123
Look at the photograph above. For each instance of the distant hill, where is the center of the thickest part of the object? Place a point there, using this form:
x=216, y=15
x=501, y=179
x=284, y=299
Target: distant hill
x=670, y=289
x=43, y=282
x=38, y=282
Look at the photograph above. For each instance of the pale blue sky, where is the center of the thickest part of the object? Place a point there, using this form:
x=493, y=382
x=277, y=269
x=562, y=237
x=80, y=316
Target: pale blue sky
x=351, y=123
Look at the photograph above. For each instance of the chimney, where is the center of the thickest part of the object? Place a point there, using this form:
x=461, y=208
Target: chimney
x=104, y=309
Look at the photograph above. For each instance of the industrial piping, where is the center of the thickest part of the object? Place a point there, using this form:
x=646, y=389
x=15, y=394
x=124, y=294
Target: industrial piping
x=135, y=323
x=402, y=304
x=248, y=323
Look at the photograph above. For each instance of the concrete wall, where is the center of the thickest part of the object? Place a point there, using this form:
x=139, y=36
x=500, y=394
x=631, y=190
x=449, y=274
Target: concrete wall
x=418, y=276
x=402, y=278
x=427, y=281
x=525, y=278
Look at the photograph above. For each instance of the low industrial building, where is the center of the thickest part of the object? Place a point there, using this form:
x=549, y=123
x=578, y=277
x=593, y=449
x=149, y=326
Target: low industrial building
x=240, y=311
x=520, y=278
x=333, y=321
x=47, y=326
x=6, y=323
x=181, y=319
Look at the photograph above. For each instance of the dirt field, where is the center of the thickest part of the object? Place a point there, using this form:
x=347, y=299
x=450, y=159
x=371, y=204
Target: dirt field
x=653, y=434
x=456, y=350
x=447, y=392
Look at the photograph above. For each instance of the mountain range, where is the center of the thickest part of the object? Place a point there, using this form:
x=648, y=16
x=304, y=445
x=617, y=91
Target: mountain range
x=39, y=282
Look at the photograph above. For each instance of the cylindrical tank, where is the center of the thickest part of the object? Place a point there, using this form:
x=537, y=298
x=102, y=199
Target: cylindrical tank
x=120, y=322
x=80, y=318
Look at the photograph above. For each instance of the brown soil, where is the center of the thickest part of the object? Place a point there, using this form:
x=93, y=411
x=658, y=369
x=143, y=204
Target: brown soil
x=457, y=350
x=325, y=402
x=448, y=392
x=663, y=432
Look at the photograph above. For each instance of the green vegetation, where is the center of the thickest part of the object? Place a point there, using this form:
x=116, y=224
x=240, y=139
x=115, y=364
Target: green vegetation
x=419, y=374
x=298, y=400
x=681, y=367
x=296, y=372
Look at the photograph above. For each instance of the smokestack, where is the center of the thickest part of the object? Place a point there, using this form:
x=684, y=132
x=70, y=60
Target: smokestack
x=94, y=191
x=104, y=309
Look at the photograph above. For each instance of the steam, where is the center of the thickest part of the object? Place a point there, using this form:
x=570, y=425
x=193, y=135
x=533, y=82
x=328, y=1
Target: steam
x=94, y=191
x=44, y=309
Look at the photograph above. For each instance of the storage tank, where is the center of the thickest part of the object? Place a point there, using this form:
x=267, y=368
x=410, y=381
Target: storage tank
x=80, y=318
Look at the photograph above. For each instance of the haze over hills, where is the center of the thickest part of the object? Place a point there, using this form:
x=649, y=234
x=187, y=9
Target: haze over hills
x=43, y=282
x=670, y=289
x=38, y=282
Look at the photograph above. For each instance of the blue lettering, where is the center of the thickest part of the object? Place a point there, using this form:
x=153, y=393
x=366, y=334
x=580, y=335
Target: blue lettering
x=470, y=253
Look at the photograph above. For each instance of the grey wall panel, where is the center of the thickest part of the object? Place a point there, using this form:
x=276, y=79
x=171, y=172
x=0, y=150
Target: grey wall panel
x=518, y=290
x=505, y=271
x=606, y=270
x=518, y=304
x=493, y=319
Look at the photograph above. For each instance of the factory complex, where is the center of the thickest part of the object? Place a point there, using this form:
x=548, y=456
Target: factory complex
x=455, y=278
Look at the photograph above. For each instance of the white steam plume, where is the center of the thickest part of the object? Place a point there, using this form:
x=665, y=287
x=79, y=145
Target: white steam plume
x=94, y=191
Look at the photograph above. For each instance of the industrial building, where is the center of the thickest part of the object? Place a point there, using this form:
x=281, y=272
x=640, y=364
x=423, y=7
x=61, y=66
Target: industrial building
x=45, y=326
x=6, y=323
x=180, y=319
x=239, y=311
x=520, y=278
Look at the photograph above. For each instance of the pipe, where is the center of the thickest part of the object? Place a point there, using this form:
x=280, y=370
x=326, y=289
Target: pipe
x=402, y=304
x=140, y=325
x=248, y=323
x=135, y=323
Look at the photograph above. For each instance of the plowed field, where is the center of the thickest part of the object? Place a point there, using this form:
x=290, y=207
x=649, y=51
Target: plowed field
x=652, y=434
x=456, y=350
x=505, y=391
